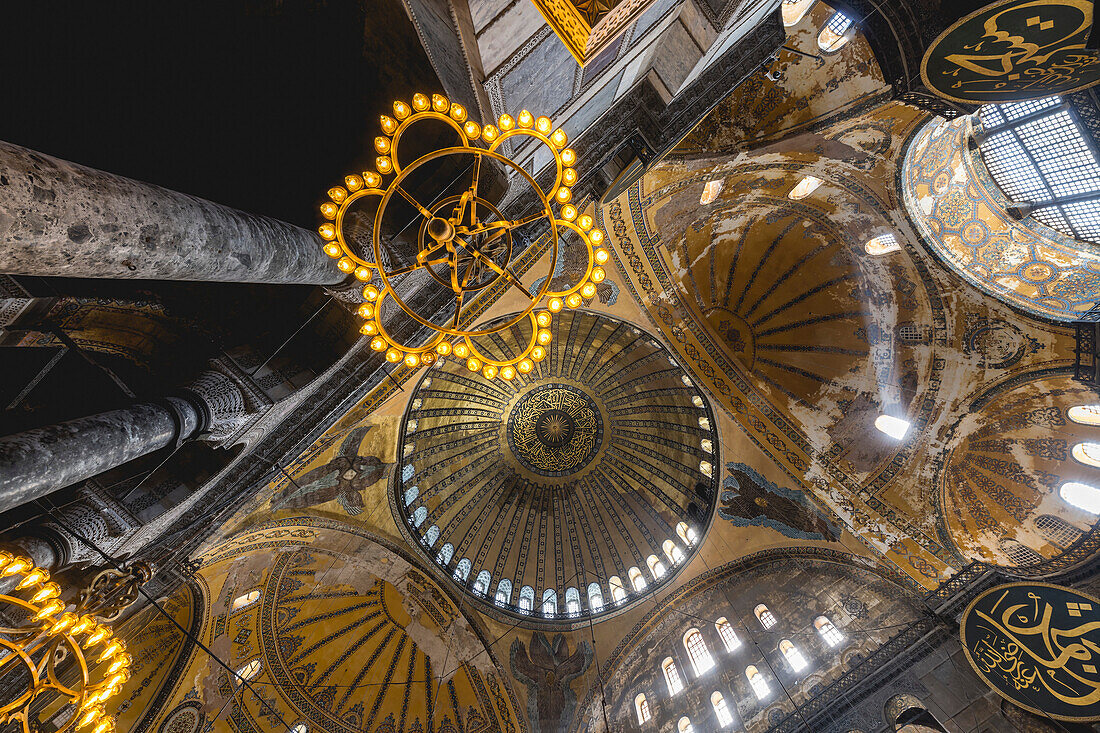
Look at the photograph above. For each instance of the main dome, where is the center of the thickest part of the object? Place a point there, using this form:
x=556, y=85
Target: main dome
x=570, y=491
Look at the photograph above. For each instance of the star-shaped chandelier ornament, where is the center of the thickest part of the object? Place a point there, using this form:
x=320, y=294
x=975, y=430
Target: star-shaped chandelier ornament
x=461, y=242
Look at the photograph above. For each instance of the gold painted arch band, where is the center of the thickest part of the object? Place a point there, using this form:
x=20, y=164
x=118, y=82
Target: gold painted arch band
x=471, y=253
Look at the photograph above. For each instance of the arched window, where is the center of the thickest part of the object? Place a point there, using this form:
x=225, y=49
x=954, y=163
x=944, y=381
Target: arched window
x=246, y=600
x=1087, y=453
x=595, y=597
x=672, y=676
x=549, y=602
x=828, y=632
x=419, y=516
x=636, y=579
x=793, y=655
x=697, y=651
x=707, y=445
x=804, y=188
x=443, y=557
x=794, y=10
x=721, y=710
x=408, y=471
x=1042, y=161
x=835, y=33
x=672, y=552
x=504, y=592
x=895, y=427
x=1020, y=554
x=685, y=533
x=572, y=601
x=526, y=599
x=618, y=592
x=767, y=618
x=697, y=401
x=1081, y=496
x=411, y=494
x=481, y=585
x=1057, y=531
x=250, y=670
x=882, y=244
x=462, y=571
x=757, y=682
x=704, y=423
x=706, y=468
x=300, y=728
x=655, y=567
x=685, y=726
x=727, y=634
x=711, y=191
x=1084, y=414
x=431, y=536
x=641, y=706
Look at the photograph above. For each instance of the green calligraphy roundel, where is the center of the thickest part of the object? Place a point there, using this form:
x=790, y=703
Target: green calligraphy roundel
x=1014, y=50
x=1038, y=646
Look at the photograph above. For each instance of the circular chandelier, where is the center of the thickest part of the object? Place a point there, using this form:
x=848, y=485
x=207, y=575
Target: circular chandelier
x=462, y=242
x=51, y=658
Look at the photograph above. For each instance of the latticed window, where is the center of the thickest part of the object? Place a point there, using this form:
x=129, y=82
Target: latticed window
x=721, y=709
x=672, y=676
x=757, y=682
x=1038, y=155
x=637, y=579
x=526, y=599
x=726, y=632
x=1057, y=531
x=1081, y=495
x=765, y=616
x=504, y=592
x=481, y=585
x=595, y=597
x=685, y=726
x=828, y=631
x=1020, y=554
x=793, y=655
x=656, y=567
x=250, y=670
x=910, y=334
x=686, y=533
x=882, y=244
x=431, y=536
x=697, y=651
x=443, y=557
x=462, y=570
x=618, y=592
x=835, y=33
x=572, y=601
x=1084, y=414
x=549, y=602
x=641, y=706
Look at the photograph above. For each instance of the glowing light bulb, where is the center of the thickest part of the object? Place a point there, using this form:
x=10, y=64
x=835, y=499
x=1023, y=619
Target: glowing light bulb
x=82, y=625
x=473, y=364
x=588, y=290
x=337, y=193
x=99, y=634
x=569, y=212
x=328, y=231
x=382, y=144
x=17, y=565
x=461, y=350
x=353, y=182
x=544, y=337
x=378, y=343
x=568, y=156
x=506, y=122
x=538, y=353
x=563, y=195
x=412, y=360
x=427, y=359
x=443, y=348
x=90, y=716
x=574, y=300
x=472, y=129
x=543, y=125
x=46, y=592
x=345, y=265
x=366, y=310
x=420, y=102
x=370, y=292
x=112, y=649
x=525, y=366
x=526, y=120
x=554, y=305
x=489, y=372
x=569, y=176
x=63, y=622
x=585, y=222
x=384, y=164
x=489, y=133
x=329, y=209
x=602, y=256
x=54, y=606
x=458, y=112
x=106, y=725
x=440, y=103
x=369, y=328
x=389, y=124
x=598, y=274
x=559, y=138
x=371, y=178
x=543, y=319
x=332, y=249
x=596, y=236
x=393, y=356
x=362, y=273
x=34, y=576
x=507, y=373
x=401, y=110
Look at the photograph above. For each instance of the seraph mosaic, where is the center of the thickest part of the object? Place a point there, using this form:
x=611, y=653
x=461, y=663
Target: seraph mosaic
x=750, y=500
x=343, y=478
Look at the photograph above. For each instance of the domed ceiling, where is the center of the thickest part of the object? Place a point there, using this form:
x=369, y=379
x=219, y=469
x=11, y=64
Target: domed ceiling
x=570, y=480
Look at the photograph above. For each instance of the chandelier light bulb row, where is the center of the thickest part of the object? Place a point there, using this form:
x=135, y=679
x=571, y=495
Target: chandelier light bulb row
x=480, y=249
x=86, y=642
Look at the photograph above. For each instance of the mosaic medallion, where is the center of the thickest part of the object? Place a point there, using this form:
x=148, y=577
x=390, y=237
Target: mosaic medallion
x=555, y=430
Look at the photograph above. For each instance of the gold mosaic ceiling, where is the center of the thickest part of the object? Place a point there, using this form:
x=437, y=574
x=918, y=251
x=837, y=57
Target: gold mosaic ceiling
x=565, y=477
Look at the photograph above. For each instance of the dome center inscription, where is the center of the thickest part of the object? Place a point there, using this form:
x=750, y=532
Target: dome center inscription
x=555, y=430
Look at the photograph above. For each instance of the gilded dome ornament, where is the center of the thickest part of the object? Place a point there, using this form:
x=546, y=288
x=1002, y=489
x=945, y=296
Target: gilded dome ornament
x=463, y=242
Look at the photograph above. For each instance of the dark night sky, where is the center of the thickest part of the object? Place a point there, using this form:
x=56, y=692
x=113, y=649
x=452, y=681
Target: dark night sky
x=258, y=105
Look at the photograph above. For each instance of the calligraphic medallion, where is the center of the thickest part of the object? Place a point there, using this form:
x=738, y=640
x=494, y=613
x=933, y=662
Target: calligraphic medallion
x=1038, y=646
x=1014, y=50
x=555, y=430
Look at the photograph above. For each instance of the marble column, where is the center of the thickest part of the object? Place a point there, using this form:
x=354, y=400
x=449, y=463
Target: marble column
x=62, y=219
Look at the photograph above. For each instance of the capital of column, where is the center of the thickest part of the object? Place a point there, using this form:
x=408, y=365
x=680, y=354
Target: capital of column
x=228, y=400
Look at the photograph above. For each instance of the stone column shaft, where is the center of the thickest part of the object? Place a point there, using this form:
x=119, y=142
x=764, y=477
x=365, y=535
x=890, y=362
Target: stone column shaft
x=66, y=220
x=37, y=462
